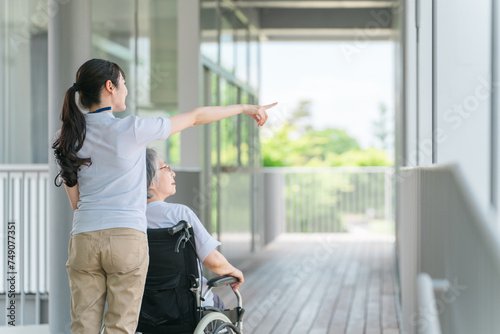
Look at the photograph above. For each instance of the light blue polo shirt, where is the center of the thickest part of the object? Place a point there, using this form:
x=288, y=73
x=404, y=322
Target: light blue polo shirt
x=113, y=189
x=162, y=214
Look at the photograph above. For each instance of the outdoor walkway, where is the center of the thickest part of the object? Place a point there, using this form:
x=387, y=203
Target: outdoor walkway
x=322, y=283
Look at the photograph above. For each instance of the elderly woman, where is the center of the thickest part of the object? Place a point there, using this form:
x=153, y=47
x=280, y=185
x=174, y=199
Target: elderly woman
x=160, y=214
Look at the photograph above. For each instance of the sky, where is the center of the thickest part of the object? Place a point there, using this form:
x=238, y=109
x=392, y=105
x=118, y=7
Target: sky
x=345, y=82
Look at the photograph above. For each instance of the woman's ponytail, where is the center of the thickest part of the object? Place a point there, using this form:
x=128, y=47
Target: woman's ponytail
x=70, y=141
x=90, y=79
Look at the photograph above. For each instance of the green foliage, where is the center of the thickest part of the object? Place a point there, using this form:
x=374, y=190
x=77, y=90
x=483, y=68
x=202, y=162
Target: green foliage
x=328, y=200
x=296, y=143
x=369, y=157
x=381, y=127
x=317, y=148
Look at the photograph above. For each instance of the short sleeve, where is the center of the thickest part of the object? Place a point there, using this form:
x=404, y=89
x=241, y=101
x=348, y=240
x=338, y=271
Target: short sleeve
x=151, y=129
x=205, y=243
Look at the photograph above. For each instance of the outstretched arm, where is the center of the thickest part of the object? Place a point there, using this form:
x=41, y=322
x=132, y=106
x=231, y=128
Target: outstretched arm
x=204, y=115
x=218, y=264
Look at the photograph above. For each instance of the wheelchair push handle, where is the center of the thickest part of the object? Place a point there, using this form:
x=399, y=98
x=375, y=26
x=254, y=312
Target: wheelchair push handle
x=221, y=281
x=182, y=225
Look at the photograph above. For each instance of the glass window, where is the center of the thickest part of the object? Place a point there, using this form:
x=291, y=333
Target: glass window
x=242, y=50
x=253, y=140
x=228, y=127
x=227, y=45
x=235, y=139
x=215, y=127
x=23, y=82
x=215, y=132
x=147, y=52
x=245, y=125
x=210, y=30
x=157, y=68
x=161, y=29
x=113, y=38
x=254, y=59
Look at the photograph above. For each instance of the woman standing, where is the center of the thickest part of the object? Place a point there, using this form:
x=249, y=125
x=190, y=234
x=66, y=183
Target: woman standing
x=102, y=165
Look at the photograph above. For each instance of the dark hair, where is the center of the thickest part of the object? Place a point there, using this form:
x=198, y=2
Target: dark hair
x=90, y=79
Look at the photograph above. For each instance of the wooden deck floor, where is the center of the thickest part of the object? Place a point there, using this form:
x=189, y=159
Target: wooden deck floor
x=318, y=284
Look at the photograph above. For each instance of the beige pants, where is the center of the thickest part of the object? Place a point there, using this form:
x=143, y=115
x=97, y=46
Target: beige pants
x=108, y=263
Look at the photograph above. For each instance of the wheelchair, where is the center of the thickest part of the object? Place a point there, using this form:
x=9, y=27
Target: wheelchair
x=172, y=296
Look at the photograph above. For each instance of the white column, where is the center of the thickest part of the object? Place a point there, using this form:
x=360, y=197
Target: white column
x=424, y=83
x=410, y=86
x=189, y=76
x=407, y=155
x=274, y=206
x=496, y=108
x=69, y=47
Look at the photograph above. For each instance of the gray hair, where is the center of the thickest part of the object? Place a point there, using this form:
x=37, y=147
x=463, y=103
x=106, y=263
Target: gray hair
x=152, y=161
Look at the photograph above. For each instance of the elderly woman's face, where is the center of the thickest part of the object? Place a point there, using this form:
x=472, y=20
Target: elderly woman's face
x=166, y=182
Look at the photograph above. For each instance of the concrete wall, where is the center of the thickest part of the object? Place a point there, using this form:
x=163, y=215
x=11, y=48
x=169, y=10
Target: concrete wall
x=447, y=106
x=446, y=115
x=462, y=91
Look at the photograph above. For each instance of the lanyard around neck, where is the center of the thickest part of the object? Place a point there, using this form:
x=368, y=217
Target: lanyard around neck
x=99, y=110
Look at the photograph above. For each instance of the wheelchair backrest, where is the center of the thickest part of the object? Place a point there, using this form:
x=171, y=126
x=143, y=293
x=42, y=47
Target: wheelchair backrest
x=168, y=305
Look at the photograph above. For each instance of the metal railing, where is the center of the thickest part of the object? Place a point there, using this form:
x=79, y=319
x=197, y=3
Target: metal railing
x=335, y=199
x=442, y=233
x=23, y=242
x=313, y=200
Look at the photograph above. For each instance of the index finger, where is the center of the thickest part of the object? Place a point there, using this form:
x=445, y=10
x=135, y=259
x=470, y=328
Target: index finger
x=270, y=105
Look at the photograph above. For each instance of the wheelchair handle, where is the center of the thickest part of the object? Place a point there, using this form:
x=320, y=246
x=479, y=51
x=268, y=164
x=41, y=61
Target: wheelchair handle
x=221, y=281
x=178, y=227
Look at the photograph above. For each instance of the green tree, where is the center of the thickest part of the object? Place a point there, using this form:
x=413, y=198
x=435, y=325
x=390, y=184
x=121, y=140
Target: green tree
x=365, y=158
x=381, y=127
x=296, y=143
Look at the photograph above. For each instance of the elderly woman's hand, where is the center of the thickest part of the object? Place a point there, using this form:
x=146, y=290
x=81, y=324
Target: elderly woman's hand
x=258, y=112
x=218, y=264
x=239, y=275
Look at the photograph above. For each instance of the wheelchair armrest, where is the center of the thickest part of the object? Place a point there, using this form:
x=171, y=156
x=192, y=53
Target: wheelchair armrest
x=178, y=227
x=221, y=281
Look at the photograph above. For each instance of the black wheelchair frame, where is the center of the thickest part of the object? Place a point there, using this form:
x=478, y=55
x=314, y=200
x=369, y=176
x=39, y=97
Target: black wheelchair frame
x=172, y=295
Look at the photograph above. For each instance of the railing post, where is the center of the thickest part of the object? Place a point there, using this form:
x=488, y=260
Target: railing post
x=20, y=245
x=7, y=216
x=38, y=252
x=274, y=204
x=388, y=198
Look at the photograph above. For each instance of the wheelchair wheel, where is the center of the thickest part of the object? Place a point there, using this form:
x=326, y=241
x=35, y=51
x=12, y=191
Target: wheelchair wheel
x=227, y=328
x=209, y=323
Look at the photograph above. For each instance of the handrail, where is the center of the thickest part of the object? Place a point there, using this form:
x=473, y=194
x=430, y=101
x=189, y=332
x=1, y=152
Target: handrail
x=24, y=167
x=427, y=306
x=23, y=203
x=354, y=169
x=45, y=167
x=490, y=235
x=329, y=199
x=444, y=233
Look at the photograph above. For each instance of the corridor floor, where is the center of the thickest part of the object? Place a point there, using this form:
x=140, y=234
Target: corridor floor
x=321, y=283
